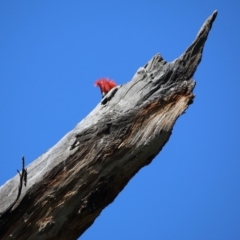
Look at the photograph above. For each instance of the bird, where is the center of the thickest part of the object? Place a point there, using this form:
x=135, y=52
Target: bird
x=105, y=85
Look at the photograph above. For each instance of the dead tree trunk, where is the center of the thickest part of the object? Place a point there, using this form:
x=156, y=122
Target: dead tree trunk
x=69, y=185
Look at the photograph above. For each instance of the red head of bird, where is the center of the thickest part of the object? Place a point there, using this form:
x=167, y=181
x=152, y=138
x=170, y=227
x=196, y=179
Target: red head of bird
x=105, y=85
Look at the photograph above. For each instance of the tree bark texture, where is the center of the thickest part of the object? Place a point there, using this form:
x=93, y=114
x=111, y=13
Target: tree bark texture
x=70, y=184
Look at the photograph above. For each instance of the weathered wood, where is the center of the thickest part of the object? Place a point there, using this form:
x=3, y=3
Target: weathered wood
x=70, y=184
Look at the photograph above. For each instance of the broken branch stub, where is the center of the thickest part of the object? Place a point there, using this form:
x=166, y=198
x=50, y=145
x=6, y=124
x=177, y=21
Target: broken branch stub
x=70, y=184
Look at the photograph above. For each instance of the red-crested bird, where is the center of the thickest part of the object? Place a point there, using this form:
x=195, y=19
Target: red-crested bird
x=105, y=85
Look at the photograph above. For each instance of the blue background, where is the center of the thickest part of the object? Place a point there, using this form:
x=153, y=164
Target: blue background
x=51, y=52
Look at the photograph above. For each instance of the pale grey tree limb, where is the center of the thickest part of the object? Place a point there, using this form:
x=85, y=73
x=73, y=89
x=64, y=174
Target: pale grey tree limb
x=70, y=184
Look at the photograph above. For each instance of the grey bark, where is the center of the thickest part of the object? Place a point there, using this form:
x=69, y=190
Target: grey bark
x=70, y=184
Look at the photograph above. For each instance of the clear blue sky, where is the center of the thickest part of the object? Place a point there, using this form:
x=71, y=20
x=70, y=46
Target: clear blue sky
x=51, y=52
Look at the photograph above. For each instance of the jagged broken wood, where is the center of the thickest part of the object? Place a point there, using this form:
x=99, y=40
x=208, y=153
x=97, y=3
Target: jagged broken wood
x=70, y=184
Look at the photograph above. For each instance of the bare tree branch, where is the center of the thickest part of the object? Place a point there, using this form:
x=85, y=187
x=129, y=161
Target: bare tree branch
x=70, y=184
